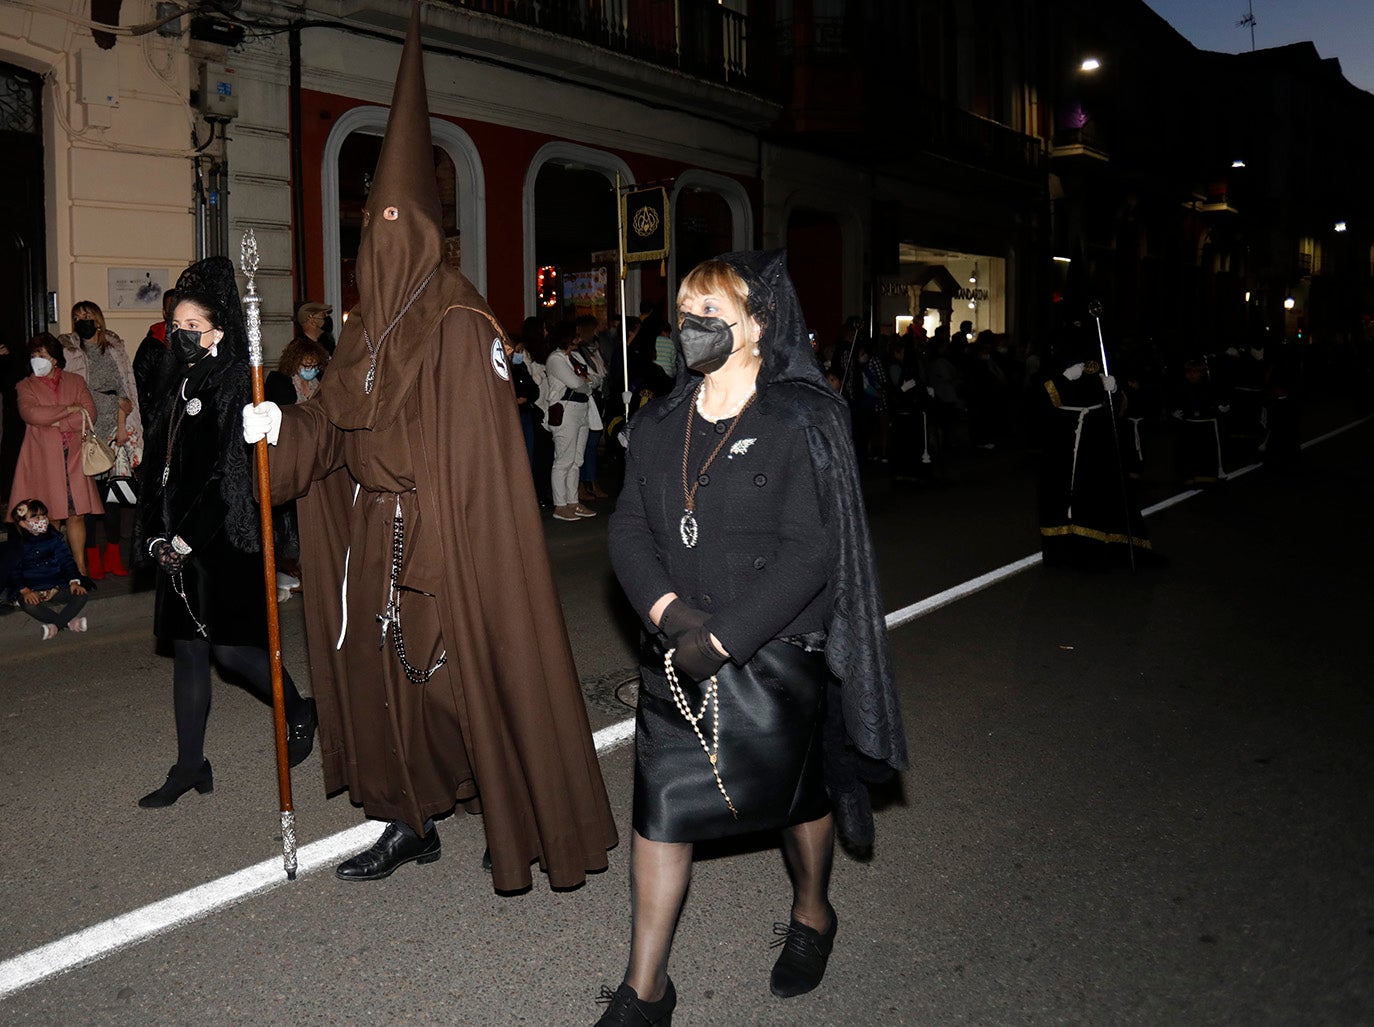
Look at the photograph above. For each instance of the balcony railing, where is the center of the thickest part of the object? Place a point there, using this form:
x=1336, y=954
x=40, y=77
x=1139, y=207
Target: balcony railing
x=701, y=38
x=954, y=132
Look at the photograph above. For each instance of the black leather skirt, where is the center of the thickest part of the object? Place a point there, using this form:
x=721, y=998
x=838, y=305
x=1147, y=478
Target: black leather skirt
x=770, y=759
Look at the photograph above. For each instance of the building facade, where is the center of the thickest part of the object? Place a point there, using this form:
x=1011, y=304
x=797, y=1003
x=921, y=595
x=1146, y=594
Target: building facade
x=928, y=160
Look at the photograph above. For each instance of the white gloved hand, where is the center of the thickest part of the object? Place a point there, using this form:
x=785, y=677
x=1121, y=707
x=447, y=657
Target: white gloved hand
x=261, y=422
x=930, y=391
x=1109, y=382
x=1074, y=371
x=1178, y=415
x=625, y=398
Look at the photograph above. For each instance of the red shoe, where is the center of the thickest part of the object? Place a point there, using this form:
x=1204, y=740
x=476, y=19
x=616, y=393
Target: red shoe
x=95, y=570
x=113, y=563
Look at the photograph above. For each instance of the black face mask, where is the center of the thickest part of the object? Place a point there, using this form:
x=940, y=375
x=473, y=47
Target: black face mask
x=707, y=342
x=186, y=345
x=85, y=329
x=327, y=328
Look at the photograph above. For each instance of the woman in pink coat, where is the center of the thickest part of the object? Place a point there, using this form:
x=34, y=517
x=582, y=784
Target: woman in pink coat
x=49, y=467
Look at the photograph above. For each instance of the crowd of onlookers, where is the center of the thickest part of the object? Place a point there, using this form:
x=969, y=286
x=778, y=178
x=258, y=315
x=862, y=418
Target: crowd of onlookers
x=915, y=400
x=66, y=399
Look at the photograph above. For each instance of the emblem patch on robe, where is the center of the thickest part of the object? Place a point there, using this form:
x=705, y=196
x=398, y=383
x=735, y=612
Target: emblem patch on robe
x=498, y=359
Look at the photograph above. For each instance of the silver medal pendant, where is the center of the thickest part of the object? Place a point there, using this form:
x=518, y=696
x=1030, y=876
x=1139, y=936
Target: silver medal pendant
x=687, y=527
x=370, y=380
x=193, y=406
x=166, y=473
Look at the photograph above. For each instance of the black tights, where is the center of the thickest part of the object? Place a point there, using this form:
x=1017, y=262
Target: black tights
x=191, y=689
x=660, y=873
x=112, y=519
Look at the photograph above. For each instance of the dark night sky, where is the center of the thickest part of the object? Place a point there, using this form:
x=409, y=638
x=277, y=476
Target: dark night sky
x=1338, y=28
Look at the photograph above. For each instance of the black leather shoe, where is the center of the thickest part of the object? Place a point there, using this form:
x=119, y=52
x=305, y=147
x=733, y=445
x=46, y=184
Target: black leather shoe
x=178, y=783
x=805, y=952
x=397, y=845
x=624, y=1008
x=300, y=733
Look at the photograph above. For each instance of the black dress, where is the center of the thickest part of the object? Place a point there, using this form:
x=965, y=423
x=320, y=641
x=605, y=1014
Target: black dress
x=760, y=569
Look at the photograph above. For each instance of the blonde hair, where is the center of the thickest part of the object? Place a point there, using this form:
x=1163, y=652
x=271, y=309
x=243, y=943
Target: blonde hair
x=715, y=278
x=93, y=310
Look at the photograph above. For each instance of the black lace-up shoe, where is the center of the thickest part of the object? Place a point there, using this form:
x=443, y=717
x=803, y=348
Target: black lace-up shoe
x=300, y=733
x=624, y=1008
x=397, y=845
x=805, y=952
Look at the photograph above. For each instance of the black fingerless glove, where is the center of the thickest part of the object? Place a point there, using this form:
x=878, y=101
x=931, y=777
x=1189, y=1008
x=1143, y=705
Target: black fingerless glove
x=678, y=618
x=696, y=656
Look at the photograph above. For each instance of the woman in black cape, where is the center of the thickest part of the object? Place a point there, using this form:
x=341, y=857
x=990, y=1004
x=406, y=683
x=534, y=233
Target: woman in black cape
x=766, y=695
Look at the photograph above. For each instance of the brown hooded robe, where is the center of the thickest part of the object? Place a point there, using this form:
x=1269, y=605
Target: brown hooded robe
x=501, y=726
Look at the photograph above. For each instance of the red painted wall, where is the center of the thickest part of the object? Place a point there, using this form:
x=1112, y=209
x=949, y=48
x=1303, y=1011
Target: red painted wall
x=506, y=154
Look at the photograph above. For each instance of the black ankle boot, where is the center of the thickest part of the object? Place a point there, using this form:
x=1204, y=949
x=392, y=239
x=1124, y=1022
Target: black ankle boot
x=178, y=783
x=625, y=1008
x=805, y=952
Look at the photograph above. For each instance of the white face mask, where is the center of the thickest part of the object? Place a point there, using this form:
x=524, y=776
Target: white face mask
x=37, y=525
x=41, y=366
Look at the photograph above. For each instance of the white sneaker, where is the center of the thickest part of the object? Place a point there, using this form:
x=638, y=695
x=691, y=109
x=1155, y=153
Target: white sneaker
x=287, y=581
x=78, y=624
x=49, y=632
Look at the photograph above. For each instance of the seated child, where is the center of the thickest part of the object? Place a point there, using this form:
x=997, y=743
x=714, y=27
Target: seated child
x=45, y=572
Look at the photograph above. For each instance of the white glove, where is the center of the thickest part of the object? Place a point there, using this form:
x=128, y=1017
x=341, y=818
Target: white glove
x=1109, y=382
x=261, y=422
x=1178, y=415
x=625, y=398
x=1074, y=371
x=930, y=391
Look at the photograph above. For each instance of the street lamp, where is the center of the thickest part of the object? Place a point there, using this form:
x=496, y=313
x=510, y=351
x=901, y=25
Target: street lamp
x=1238, y=163
x=1289, y=303
x=1090, y=64
x=1340, y=226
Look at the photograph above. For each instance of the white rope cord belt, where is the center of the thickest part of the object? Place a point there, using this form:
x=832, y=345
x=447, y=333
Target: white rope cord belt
x=1082, y=413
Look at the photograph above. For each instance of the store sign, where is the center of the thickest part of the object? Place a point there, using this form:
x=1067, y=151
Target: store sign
x=980, y=295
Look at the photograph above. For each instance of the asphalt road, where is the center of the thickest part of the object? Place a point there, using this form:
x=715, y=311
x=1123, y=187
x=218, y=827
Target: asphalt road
x=1133, y=800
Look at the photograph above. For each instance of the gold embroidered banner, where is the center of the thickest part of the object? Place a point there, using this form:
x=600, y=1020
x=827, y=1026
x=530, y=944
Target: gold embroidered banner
x=644, y=213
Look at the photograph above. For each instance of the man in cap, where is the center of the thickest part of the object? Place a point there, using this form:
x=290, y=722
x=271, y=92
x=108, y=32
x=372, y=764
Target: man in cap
x=313, y=323
x=439, y=657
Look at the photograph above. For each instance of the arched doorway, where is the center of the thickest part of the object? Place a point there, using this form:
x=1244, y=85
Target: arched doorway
x=570, y=217
x=349, y=160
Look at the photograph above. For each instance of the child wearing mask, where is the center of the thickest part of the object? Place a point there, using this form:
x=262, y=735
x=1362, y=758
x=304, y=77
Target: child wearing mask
x=45, y=572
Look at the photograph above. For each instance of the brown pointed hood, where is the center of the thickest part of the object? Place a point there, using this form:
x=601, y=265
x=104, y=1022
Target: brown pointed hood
x=399, y=300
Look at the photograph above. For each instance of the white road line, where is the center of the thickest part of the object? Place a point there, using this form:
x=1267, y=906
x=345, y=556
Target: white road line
x=103, y=939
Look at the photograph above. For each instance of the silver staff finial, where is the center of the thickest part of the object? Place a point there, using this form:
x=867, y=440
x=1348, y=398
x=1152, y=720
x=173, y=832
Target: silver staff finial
x=248, y=264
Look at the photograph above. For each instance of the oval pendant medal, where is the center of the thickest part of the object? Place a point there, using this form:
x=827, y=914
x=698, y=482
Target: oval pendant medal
x=193, y=406
x=687, y=527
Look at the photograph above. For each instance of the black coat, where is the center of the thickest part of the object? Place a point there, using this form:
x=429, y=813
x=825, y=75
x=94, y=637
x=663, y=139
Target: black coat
x=208, y=501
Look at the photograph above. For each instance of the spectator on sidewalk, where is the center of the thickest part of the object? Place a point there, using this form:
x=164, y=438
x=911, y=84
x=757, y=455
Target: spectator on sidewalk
x=45, y=572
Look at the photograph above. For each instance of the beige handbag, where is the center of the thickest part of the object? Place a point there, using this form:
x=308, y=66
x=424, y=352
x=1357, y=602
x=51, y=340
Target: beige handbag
x=96, y=455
